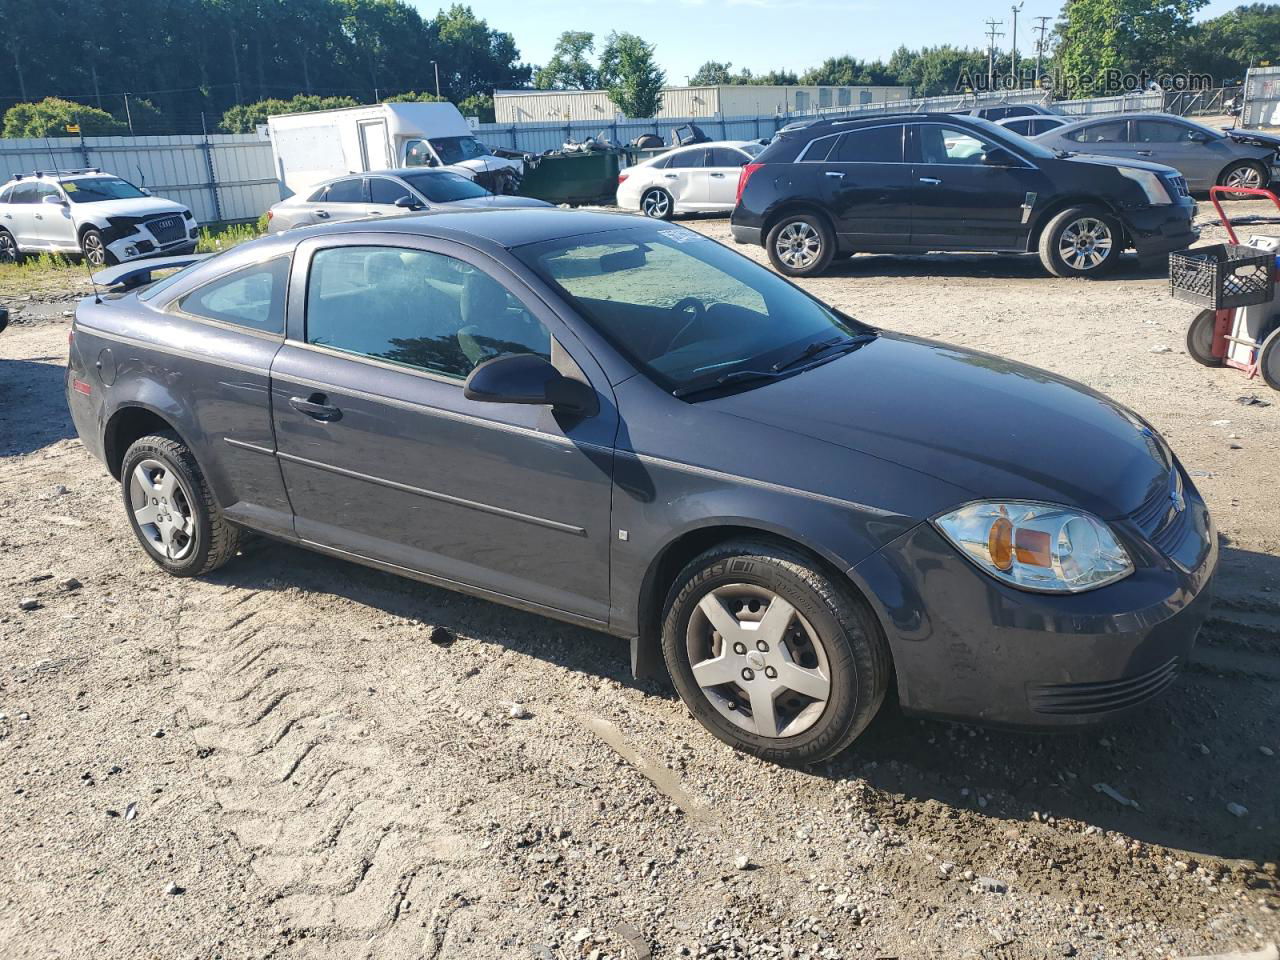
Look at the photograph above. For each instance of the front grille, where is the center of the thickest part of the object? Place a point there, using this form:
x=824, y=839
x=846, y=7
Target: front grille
x=1091, y=698
x=1163, y=516
x=167, y=229
x=1179, y=185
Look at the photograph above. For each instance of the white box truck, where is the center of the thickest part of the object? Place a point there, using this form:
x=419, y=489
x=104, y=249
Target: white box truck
x=310, y=148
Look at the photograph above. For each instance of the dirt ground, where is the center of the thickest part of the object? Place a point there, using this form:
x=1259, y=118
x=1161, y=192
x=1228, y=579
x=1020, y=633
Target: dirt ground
x=278, y=762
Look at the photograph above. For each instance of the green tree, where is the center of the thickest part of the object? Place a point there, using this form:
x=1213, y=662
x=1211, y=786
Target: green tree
x=775, y=78
x=474, y=58
x=631, y=76
x=1225, y=46
x=713, y=72
x=478, y=105
x=570, y=66
x=246, y=118
x=50, y=117
x=936, y=71
x=414, y=97
x=847, y=71
x=1126, y=36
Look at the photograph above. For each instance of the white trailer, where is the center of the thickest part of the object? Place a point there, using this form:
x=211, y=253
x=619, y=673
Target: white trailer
x=309, y=148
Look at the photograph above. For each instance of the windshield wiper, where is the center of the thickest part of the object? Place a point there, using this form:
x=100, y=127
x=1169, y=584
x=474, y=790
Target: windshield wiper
x=820, y=346
x=727, y=379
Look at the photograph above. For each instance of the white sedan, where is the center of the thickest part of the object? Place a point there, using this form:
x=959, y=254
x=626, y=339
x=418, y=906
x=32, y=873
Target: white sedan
x=702, y=178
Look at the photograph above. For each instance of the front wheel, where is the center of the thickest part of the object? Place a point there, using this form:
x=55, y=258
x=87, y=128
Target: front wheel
x=1243, y=174
x=1200, y=338
x=171, y=508
x=770, y=655
x=95, y=249
x=1081, y=242
x=800, y=245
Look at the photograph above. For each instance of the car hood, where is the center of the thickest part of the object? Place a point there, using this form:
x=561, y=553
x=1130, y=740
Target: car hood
x=134, y=207
x=996, y=428
x=1254, y=138
x=484, y=203
x=1133, y=162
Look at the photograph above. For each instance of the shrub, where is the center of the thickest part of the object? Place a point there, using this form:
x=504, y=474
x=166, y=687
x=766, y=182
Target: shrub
x=50, y=117
x=246, y=117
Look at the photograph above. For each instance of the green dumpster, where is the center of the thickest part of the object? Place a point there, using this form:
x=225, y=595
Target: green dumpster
x=573, y=178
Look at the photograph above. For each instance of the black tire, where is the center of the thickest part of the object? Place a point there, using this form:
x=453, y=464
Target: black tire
x=1057, y=231
x=853, y=644
x=657, y=204
x=843, y=254
x=9, y=252
x=796, y=232
x=1269, y=360
x=1200, y=339
x=1245, y=173
x=94, y=249
x=212, y=540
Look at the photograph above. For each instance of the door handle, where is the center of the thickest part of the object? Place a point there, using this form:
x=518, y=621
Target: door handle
x=375, y=213
x=932, y=181
x=719, y=176
x=316, y=406
x=39, y=217
x=835, y=173
x=322, y=214
x=1143, y=153
x=670, y=176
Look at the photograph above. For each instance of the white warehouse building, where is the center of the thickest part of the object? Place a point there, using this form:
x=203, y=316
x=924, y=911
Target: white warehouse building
x=723, y=100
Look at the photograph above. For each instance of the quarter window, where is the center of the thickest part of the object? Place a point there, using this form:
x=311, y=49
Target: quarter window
x=875, y=145
x=250, y=297
x=413, y=307
x=5, y=194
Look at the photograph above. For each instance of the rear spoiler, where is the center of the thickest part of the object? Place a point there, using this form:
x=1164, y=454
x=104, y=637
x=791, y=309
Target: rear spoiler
x=137, y=272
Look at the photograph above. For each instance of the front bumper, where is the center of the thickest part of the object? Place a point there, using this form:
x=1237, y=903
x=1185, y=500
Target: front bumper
x=141, y=243
x=1162, y=229
x=970, y=648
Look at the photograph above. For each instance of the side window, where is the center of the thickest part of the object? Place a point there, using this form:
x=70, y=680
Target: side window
x=5, y=194
x=724, y=157
x=382, y=190
x=43, y=190
x=952, y=145
x=251, y=297
x=1113, y=131
x=1161, y=131
x=24, y=193
x=417, y=308
x=876, y=145
x=686, y=159
x=418, y=154
x=346, y=191
x=818, y=149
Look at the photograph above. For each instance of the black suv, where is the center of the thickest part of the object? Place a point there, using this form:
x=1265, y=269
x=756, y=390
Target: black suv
x=914, y=183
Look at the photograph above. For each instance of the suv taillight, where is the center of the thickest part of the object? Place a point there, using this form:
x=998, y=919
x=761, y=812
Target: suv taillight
x=744, y=176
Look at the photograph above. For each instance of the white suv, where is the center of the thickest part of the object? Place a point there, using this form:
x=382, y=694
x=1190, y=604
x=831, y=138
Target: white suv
x=106, y=219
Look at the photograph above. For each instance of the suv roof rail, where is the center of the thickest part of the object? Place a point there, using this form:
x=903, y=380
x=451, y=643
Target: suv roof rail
x=61, y=173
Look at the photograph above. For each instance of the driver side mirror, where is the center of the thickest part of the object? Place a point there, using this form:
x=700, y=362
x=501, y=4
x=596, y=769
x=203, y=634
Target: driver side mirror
x=54, y=200
x=409, y=203
x=999, y=157
x=530, y=379
x=1195, y=136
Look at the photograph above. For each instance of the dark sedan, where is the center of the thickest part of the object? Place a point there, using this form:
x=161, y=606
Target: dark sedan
x=625, y=425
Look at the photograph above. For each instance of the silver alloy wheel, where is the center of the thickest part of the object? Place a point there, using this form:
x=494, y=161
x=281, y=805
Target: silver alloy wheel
x=162, y=508
x=798, y=245
x=8, y=249
x=1085, y=243
x=758, y=661
x=656, y=204
x=1245, y=175
x=94, y=251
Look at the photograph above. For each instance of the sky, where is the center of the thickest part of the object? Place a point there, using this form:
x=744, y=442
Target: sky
x=764, y=34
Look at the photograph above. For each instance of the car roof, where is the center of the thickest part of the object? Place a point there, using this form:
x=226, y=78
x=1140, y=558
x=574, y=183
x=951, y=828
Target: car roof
x=1102, y=117
x=55, y=176
x=504, y=226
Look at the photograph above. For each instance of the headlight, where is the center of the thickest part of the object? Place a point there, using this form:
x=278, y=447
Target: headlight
x=1037, y=546
x=1150, y=183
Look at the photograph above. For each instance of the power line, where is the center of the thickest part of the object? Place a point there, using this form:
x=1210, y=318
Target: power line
x=1040, y=46
x=992, y=33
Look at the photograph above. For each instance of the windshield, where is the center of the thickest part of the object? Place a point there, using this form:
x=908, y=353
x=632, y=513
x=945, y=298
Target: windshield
x=751, y=149
x=444, y=186
x=684, y=309
x=92, y=189
x=457, y=149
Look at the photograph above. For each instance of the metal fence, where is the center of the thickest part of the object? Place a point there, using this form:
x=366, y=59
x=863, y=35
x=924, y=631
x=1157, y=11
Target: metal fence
x=220, y=177
x=1261, y=98
x=232, y=176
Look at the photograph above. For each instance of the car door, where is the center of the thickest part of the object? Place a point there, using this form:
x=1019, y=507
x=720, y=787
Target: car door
x=383, y=194
x=685, y=178
x=724, y=164
x=53, y=227
x=17, y=218
x=970, y=192
x=865, y=185
x=1106, y=138
x=1196, y=154
x=384, y=457
x=341, y=200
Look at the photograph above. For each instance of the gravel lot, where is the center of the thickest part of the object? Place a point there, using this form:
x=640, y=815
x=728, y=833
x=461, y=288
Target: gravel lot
x=292, y=759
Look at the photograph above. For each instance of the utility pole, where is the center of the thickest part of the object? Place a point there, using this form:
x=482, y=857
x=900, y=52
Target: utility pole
x=992, y=33
x=437, y=69
x=1040, y=46
x=128, y=115
x=1016, y=8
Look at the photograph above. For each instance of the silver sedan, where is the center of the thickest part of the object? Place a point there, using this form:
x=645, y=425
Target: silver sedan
x=382, y=193
x=1206, y=157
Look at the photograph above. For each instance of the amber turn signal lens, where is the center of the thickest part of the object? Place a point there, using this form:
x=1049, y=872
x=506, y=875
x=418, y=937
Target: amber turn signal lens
x=1032, y=547
x=1000, y=544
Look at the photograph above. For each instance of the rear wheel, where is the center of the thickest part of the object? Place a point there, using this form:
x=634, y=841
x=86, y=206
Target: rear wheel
x=770, y=655
x=171, y=508
x=1243, y=174
x=1081, y=242
x=800, y=245
x=1269, y=360
x=9, y=252
x=1200, y=338
x=657, y=203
